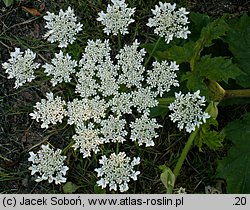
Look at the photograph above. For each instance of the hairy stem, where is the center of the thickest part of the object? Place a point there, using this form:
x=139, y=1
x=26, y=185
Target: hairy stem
x=185, y=152
x=244, y=93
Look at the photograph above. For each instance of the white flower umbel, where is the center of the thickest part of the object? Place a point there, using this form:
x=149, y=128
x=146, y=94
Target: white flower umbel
x=62, y=27
x=130, y=62
x=49, y=111
x=87, y=138
x=163, y=76
x=117, y=18
x=169, y=22
x=80, y=111
x=121, y=103
x=21, y=66
x=113, y=129
x=96, y=52
x=95, y=62
x=86, y=83
x=48, y=164
x=143, y=99
x=143, y=130
x=187, y=110
x=107, y=72
x=61, y=68
x=117, y=171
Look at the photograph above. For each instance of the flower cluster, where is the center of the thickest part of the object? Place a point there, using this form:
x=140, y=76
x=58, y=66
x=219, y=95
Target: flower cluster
x=187, y=110
x=61, y=68
x=49, y=165
x=143, y=130
x=130, y=62
x=169, y=22
x=117, y=18
x=117, y=170
x=163, y=76
x=114, y=94
x=62, y=27
x=88, y=139
x=49, y=111
x=21, y=66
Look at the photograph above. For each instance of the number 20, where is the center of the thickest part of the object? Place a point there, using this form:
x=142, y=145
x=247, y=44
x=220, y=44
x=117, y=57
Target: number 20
x=240, y=201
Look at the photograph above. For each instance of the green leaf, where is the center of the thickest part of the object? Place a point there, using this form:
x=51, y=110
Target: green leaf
x=238, y=39
x=196, y=82
x=167, y=177
x=70, y=187
x=8, y=2
x=159, y=110
x=212, y=109
x=198, y=21
x=162, y=46
x=235, y=167
x=162, y=108
x=213, y=139
x=217, y=68
x=213, y=30
x=99, y=190
x=178, y=53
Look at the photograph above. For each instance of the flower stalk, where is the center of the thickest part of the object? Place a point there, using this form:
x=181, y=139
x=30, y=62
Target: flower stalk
x=152, y=52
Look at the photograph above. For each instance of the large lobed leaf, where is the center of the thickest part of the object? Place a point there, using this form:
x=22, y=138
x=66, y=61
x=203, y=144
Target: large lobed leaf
x=212, y=138
x=217, y=68
x=238, y=39
x=235, y=167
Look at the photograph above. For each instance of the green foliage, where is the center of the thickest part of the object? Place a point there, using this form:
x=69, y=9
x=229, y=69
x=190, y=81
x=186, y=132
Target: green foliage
x=162, y=108
x=8, y=2
x=70, y=187
x=99, y=190
x=208, y=133
x=238, y=39
x=198, y=21
x=196, y=82
x=217, y=68
x=212, y=138
x=167, y=178
x=214, y=30
x=204, y=69
x=177, y=53
x=234, y=168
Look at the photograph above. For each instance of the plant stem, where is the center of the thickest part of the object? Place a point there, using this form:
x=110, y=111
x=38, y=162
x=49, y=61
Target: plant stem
x=119, y=40
x=184, y=153
x=152, y=52
x=244, y=93
x=117, y=148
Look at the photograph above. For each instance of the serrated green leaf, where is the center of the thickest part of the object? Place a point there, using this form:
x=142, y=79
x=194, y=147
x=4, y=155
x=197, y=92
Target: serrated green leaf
x=198, y=21
x=8, y=2
x=178, y=53
x=209, y=137
x=70, y=187
x=217, y=68
x=235, y=167
x=238, y=39
x=196, y=82
x=213, y=30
